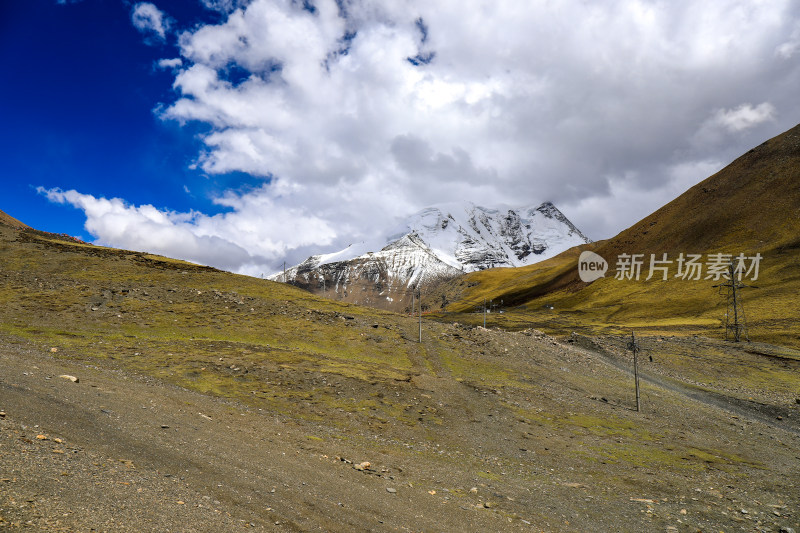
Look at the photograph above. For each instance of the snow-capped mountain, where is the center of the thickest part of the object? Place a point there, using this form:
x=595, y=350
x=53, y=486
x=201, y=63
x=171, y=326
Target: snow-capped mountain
x=439, y=242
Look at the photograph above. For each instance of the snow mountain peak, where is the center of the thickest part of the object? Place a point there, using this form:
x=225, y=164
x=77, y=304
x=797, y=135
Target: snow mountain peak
x=439, y=242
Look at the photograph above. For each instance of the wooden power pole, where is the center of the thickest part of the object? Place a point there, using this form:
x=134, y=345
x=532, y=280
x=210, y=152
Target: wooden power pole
x=420, y=315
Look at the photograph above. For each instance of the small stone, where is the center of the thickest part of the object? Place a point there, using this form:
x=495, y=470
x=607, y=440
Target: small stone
x=53, y=350
x=181, y=502
x=786, y=530
x=474, y=490
x=164, y=426
x=2, y=414
x=744, y=511
x=71, y=378
x=363, y=466
x=390, y=490
x=488, y=505
x=41, y=437
x=683, y=511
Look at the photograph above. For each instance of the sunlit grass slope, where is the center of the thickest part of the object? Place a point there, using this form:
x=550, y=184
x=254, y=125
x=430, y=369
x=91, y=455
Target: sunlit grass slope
x=11, y=221
x=258, y=341
x=751, y=206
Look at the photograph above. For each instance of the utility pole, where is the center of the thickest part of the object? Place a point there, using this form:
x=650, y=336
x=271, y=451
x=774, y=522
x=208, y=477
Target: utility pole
x=484, y=313
x=420, y=315
x=284, y=271
x=739, y=325
x=635, y=347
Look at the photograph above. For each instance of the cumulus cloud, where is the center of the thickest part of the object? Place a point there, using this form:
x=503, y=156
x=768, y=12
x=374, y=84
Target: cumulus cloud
x=234, y=240
x=355, y=113
x=744, y=117
x=170, y=63
x=224, y=6
x=150, y=20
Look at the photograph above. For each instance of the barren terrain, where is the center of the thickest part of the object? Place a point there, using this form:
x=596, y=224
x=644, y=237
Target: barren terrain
x=206, y=401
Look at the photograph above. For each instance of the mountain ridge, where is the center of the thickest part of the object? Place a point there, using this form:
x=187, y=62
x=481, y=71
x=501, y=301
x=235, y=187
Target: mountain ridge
x=437, y=243
x=8, y=220
x=751, y=206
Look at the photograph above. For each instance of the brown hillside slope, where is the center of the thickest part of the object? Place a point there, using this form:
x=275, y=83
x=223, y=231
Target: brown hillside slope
x=335, y=417
x=751, y=206
x=11, y=221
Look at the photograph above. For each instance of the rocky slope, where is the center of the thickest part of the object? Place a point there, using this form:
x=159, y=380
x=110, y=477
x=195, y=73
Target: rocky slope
x=437, y=243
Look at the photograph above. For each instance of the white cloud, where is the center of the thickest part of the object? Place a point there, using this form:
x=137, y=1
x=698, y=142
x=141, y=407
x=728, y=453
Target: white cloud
x=792, y=45
x=170, y=63
x=234, y=241
x=150, y=20
x=224, y=6
x=744, y=117
x=358, y=112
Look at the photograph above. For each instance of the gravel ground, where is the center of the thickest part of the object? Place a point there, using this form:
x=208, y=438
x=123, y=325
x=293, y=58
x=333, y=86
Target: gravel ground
x=116, y=451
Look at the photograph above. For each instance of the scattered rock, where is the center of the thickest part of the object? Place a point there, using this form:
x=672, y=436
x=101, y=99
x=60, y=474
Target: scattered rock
x=53, y=350
x=41, y=437
x=164, y=426
x=474, y=490
x=786, y=530
x=390, y=490
x=362, y=466
x=71, y=378
x=2, y=414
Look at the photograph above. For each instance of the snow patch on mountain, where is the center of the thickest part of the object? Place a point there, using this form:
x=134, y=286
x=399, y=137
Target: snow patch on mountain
x=439, y=242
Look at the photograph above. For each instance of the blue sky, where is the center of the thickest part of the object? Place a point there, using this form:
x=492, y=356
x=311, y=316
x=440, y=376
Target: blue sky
x=77, y=111
x=242, y=133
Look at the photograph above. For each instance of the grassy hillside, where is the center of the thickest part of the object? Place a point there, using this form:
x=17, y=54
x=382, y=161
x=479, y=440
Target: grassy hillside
x=258, y=341
x=751, y=206
x=472, y=429
x=11, y=221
